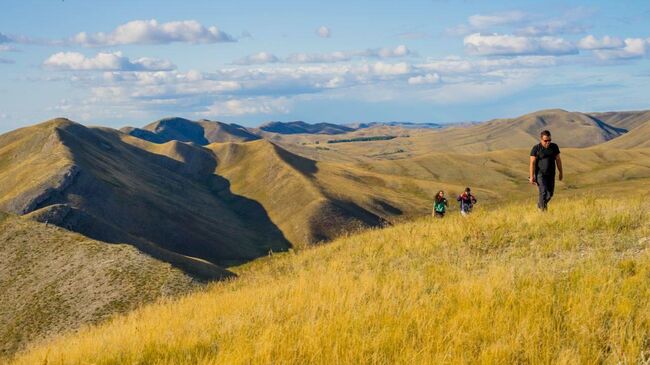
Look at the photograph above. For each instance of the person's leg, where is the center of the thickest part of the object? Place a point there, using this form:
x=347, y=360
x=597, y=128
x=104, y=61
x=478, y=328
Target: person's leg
x=541, y=186
x=550, y=187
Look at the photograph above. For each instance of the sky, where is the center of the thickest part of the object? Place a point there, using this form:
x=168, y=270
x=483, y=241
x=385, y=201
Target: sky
x=128, y=63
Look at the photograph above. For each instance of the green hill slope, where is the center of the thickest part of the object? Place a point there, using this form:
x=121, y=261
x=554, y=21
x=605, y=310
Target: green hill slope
x=53, y=281
x=506, y=286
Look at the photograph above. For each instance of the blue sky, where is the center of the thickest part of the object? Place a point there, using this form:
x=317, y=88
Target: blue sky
x=118, y=63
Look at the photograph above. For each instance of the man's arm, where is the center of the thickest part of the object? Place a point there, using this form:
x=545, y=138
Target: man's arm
x=531, y=172
x=558, y=161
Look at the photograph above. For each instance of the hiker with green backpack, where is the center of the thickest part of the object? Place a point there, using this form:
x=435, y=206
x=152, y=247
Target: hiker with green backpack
x=439, y=204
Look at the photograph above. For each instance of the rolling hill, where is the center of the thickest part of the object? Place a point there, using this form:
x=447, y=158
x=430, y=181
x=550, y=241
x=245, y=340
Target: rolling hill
x=53, y=281
x=569, y=129
x=201, y=133
x=96, y=183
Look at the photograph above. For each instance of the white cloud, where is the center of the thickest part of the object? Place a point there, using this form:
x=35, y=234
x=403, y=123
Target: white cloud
x=338, y=56
x=424, y=79
x=257, y=59
x=152, y=32
x=551, y=27
x=248, y=106
x=483, y=21
x=634, y=48
x=323, y=32
x=391, y=69
x=105, y=61
x=399, y=51
x=592, y=43
x=495, y=44
x=344, y=56
x=457, y=65
x=7, y=48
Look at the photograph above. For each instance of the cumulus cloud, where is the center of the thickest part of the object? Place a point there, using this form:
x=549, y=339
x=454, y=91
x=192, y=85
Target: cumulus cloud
x=592, y=43
x=391, y=69
x=323, y=32
x=153, y=32
x=633, y=48
x=424, y=79
x=104, y=61
x=495, y=44
x=257, y=59
x=457, y=65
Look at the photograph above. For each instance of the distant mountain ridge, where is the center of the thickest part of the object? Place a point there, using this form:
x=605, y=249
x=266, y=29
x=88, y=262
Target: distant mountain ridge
x=302, y=127
x=407, y=125
x=202, y=132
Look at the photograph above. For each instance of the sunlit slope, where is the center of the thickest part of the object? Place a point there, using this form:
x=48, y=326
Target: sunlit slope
x=173, y=208
x=506, y=286
x=638, y=137
x=53, y=281
x=33, y=161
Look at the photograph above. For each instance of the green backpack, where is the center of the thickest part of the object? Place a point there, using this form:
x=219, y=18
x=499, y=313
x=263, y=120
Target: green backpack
x=439, y=206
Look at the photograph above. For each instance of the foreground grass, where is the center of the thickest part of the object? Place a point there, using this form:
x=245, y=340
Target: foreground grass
x=508, y=286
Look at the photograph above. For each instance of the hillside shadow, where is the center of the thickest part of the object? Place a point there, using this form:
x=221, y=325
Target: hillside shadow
x=303, y=165
x=190, y=211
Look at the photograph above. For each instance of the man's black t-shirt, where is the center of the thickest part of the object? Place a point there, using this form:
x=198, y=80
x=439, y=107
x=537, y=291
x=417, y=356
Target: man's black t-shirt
x=545, y=163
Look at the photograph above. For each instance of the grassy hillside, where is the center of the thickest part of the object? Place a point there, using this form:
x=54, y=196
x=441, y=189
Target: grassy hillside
x=509, y=285
x=53, y=281
x=628, y=120
x=310, y=201
x=111, y=187
x=569, y=129
x=638, y=137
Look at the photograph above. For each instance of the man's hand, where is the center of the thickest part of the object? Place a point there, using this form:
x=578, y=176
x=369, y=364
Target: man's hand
x=560, y=177
x=532, y=180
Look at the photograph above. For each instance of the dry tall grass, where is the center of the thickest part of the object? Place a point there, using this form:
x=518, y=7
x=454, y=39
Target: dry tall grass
x=510, y=285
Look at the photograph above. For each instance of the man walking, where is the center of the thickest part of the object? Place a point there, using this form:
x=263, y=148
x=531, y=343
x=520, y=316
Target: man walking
x=543, y=158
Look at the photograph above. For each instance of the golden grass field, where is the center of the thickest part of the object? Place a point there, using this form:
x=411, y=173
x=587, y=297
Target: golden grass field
x=506, y=285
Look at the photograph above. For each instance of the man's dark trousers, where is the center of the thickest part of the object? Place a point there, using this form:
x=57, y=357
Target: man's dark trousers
x=546, y=186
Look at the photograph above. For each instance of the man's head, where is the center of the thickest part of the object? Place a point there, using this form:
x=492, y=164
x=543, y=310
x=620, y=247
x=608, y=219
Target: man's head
x=545, y=138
